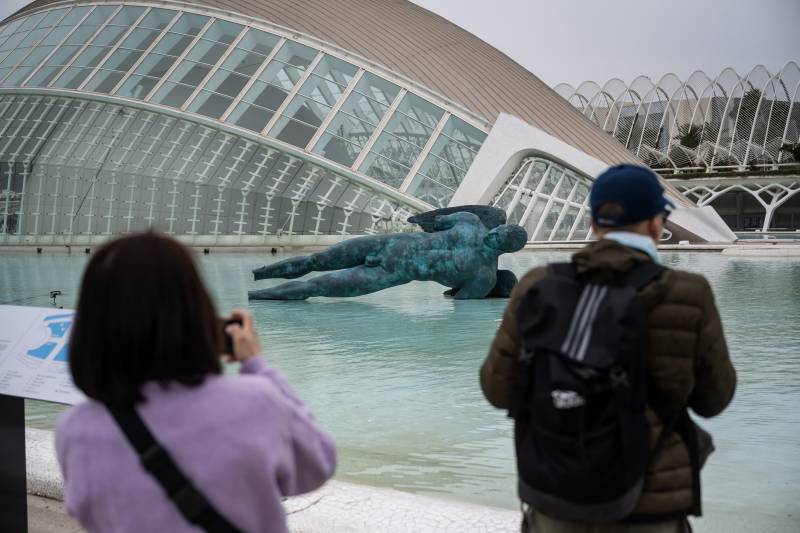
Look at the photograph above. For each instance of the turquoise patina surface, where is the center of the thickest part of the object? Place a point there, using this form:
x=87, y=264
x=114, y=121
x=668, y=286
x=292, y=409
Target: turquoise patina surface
x=459, y=249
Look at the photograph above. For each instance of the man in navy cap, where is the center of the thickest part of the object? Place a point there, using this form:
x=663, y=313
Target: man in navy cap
x=686, y=366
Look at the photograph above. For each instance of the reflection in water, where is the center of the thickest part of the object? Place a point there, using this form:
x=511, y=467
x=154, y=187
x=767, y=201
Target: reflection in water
x=394, y=375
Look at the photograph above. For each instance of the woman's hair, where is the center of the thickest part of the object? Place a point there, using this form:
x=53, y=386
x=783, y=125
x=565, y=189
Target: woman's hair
x=143, y=315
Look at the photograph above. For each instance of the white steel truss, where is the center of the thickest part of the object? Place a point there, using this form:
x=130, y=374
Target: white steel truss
x=728, y=123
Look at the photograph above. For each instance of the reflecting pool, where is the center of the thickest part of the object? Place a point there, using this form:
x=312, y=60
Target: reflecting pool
x=394, y=376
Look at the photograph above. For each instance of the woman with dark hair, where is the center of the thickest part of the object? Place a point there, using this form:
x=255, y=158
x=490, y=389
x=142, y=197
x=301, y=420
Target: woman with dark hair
x=165, y=441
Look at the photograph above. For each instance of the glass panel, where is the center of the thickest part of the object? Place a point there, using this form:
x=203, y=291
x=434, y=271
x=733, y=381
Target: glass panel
x=259, y=41
x=562, y=232
x=198, y=63
x=581, y=192
x=31, y=22
x=156, y=65
x=330, y=78
x=12, y=27
x=190, y=73
x=549, y=222
x=442, y=172
x=250, y=116
x=189, y=24
x=173, y=94
x=267, y=94
x=51, y=18
x=377, y=89
x=345, y=133
x=77, y=13
x=296, y=54
x=127, y=16
x=303, y=110
x=582, y=229
x=210, y=104
x=223, y=31
x=384, y=169
x=552, y=180
x=338, y=149
x=459, y=143
x=100, y=44
x=137, y=87
x=429, y=191
x=32, y=50
x=172, y=44
x=157, y=19
x=226, y=82
x=403, y=138
x=420, y=110
x=409, y=129
x=293, y=131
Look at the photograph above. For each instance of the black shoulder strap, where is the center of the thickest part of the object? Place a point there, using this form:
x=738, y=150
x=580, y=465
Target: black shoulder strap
x=156, y=460
x=637, y=277
x=641, y=275
x=565, y=270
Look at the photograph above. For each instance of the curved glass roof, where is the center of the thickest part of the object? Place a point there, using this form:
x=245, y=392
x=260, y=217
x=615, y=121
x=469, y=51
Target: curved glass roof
x=249, y=78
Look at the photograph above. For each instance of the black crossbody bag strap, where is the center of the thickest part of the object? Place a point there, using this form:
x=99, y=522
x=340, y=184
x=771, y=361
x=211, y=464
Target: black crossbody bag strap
x=157, y=461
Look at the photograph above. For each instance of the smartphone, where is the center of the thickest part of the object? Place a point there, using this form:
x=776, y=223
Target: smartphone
x=227, y=340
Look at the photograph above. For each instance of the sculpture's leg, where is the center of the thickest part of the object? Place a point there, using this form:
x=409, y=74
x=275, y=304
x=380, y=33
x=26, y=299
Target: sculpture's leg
x=351, y=282
x=289, y=268
x=346, y=254
x=477, y=287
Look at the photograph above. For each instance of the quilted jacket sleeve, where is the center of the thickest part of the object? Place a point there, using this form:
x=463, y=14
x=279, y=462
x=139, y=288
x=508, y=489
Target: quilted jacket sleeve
x=715, y=377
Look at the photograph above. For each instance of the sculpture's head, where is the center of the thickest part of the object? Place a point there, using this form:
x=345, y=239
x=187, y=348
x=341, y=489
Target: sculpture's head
x=506, y=238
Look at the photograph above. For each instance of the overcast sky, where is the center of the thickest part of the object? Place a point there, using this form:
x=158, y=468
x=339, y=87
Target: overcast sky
x=576, y=40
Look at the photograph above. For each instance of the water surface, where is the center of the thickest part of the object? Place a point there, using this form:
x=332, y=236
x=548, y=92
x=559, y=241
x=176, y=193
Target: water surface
x=394, y=376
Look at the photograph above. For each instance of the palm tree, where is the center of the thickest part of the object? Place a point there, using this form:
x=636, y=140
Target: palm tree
x=689, y=135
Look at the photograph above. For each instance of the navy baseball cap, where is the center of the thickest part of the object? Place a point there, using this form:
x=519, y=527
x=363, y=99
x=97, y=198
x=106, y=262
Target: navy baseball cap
x=632, y=192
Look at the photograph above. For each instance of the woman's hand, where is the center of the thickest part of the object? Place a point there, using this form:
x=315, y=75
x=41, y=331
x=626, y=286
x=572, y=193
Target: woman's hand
x=245, y=339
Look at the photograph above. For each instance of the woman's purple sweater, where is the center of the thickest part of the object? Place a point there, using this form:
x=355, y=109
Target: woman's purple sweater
x=245, y=442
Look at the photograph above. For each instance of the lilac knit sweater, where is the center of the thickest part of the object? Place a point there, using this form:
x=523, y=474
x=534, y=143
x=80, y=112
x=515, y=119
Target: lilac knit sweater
x=245, y=442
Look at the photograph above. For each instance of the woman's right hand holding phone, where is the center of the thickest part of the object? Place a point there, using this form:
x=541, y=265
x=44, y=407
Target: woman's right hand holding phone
x=246, y=343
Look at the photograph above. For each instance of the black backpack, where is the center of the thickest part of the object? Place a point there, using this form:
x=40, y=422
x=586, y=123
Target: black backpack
x=578, y=402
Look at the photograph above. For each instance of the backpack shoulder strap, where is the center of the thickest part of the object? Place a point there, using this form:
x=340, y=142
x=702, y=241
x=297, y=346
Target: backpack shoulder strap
x=192, y=504
x=641, y=275
x=565, y=270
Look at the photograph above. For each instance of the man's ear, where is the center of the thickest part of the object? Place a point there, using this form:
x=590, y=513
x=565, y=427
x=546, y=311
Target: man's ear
x=655, y=227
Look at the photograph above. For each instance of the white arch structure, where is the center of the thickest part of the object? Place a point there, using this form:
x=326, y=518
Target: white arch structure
x=769, y=194
x=728, y=123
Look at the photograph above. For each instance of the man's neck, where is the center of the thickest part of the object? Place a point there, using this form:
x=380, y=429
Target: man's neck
x=637, y=241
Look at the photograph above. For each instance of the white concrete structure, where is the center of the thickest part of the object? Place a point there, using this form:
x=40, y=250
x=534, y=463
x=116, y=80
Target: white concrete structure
x=268, y=123
x=726, y=123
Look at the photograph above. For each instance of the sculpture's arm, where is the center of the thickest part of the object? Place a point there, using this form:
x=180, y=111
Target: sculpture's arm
x=445, y=222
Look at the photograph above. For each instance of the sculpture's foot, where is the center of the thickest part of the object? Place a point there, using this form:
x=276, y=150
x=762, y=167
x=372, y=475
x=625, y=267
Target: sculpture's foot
x=270, y=294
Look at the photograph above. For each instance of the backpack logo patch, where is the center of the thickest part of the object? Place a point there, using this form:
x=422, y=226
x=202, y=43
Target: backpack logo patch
x=567, y=399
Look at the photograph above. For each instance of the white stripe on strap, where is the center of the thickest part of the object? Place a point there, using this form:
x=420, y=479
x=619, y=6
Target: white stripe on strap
x=576, y=318
x=587, y=333
x=585, y=320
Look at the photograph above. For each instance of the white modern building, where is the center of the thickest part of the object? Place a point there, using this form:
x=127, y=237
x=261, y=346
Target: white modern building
x=280, y=122
x=730, y=141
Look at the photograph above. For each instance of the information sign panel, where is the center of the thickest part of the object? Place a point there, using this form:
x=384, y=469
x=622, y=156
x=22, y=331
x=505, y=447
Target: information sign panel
x=34, y=353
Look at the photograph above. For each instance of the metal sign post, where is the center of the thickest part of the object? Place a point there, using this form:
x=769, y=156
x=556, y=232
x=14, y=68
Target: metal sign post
x=13, y=479
x=34, y=351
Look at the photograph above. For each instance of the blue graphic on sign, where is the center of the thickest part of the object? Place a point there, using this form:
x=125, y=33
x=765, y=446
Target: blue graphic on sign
x=58, y=326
